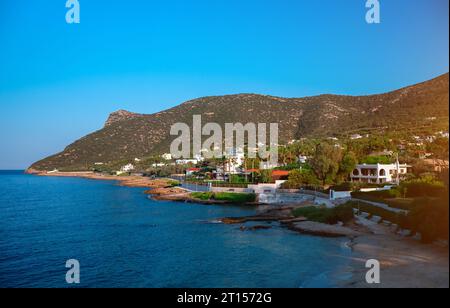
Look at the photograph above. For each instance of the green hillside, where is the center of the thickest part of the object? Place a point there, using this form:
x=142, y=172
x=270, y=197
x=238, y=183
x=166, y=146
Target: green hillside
x=422, y=107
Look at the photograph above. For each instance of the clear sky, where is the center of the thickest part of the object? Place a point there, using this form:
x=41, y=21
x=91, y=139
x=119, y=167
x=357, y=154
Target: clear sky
x=59, y=82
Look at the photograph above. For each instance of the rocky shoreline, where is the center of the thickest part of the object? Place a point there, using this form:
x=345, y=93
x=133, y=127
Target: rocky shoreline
x=404, y=262
x=160, y=189
x=126, y=181
x=284, y=216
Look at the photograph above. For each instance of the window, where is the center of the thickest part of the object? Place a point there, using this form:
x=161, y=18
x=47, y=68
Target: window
x=382, y=172
x=356, y=172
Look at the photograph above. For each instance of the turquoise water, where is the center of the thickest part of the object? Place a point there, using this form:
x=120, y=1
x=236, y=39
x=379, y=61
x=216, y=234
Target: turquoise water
x=123, y=239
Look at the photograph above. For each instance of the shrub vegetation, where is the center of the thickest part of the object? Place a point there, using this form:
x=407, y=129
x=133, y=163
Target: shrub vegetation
x=225, y=196
x=343, y=213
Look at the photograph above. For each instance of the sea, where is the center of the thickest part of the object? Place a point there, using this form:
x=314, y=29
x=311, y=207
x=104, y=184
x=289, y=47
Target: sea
x=121, y=238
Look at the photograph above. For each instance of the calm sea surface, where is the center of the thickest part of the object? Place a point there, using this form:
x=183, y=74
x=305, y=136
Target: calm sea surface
x=123, y=239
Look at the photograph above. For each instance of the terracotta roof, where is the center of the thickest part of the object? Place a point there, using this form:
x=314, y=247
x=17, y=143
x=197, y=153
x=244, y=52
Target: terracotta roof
x=193, y=169
x=252, y=170
x=280, y=173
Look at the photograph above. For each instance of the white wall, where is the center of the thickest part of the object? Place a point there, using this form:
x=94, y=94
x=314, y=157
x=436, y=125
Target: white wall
x=340, y=194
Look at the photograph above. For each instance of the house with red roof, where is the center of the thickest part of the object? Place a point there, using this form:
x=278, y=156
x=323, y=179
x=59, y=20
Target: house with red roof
x=191, y=171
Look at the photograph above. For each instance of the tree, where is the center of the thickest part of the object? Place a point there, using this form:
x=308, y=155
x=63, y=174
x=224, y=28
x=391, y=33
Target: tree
x=347, y=165
x=439, y=148
x=265, y=176
x=287, y=155
x=325, y=162
x=301, y=177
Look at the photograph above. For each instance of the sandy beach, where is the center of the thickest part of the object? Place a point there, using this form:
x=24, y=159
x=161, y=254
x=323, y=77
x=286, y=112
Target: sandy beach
x=405, y=262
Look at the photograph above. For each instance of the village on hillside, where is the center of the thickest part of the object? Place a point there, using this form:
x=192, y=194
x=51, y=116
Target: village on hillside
x=370, y=160
x=394, y=179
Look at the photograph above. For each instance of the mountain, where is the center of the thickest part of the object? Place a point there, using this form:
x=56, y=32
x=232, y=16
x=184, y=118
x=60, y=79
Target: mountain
x=127, y=135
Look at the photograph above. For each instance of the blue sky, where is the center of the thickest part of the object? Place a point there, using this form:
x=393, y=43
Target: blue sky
x=59, y=82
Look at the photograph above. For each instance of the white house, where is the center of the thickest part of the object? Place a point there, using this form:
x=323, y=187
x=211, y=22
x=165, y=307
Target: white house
x=127, y=168
x=157, y=165
x=235, y=159
x=444, y=134
x=379, y=174
x=198, y=158
x=187, y=161
x=302, y=159
x=192, y=171
x=356, y=137
x=166, y=156
x=267, y=165
x=430, y=139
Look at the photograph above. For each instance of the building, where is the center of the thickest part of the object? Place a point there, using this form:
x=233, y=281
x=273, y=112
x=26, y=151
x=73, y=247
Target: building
x=356, y=137
x=424, y=155
x=267, y=165
x=444, y=134
x=235, y=160
x=379, y=174
x=187, y=161
x=383, y=153
x=430, y=139
x=302, y=159
x=280, y=175
x=435, y=165
x=192, y=171
x=127, y=168
x=198, y=158
x=166, y=156
x=158, y=165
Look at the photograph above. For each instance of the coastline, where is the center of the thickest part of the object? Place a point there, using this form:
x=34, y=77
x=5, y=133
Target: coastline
x=126, y=181
x=158, y=189
x=405, y=262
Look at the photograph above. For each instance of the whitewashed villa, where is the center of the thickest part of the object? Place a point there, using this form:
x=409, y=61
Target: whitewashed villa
x=379, y=173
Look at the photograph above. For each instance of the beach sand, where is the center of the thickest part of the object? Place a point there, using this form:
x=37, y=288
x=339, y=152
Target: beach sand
x=405, y=262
